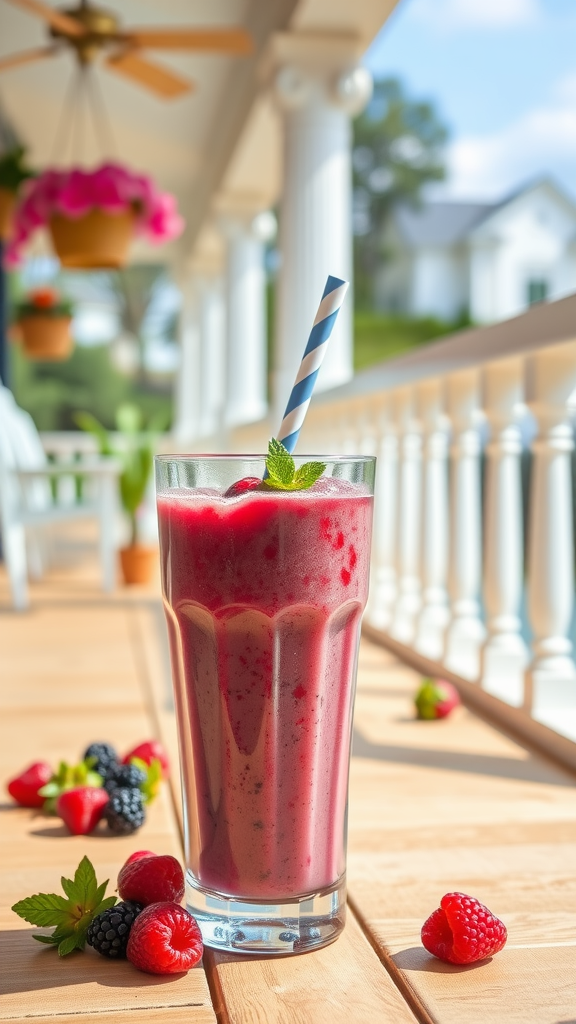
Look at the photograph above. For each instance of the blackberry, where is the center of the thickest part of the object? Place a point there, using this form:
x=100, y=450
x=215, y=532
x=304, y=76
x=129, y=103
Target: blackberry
x=109, y=932
x=106, y=758
x=124, y=811
x=124, y=776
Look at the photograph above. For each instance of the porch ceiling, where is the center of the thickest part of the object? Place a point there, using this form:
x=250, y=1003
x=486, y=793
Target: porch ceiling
x=192, y=145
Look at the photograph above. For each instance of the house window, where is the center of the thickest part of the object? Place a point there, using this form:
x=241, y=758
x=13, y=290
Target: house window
x=537, y=290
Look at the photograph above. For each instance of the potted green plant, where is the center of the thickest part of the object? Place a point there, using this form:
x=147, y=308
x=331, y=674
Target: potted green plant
x=13, y=171
x=135, y=448
x=43, y=318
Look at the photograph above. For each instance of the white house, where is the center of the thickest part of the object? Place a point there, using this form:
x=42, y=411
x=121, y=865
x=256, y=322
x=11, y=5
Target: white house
x=489, y=260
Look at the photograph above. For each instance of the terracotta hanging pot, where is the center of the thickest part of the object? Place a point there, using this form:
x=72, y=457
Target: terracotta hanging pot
x=7, y=204
x=46, y=337
x=138, y=562
x=98, y=240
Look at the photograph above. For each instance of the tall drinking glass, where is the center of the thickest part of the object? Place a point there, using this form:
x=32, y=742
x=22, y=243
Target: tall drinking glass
x=264, y=593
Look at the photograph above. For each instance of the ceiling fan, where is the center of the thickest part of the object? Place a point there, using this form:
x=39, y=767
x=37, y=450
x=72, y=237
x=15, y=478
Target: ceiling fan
x=90, y=31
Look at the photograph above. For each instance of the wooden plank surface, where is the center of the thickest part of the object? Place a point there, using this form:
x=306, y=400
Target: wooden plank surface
x=455, y=805
x=434, y=807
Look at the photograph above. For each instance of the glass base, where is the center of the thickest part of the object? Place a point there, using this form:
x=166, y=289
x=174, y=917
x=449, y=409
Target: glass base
x=293, y=926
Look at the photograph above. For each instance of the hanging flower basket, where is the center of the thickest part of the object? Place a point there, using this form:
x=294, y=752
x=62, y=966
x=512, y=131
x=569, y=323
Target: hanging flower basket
x=97, y=240
x=93, y=215
x=44, y=326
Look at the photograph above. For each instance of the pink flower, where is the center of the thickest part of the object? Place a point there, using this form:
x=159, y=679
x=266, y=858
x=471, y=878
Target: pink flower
x=73, y=193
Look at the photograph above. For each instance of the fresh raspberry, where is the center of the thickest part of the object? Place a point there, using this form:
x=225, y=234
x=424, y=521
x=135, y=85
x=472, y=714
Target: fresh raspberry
x=149, y=751
x=152, y=880
x=165, y=939
x=463, y=930
x=436, y=698
x=82, y=808
x=24, y=787
x=248, y=483
x=137, y=854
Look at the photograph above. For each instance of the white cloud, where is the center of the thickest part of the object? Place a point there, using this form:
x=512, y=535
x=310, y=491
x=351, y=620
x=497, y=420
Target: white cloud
x=541, y=142
x=455, y=15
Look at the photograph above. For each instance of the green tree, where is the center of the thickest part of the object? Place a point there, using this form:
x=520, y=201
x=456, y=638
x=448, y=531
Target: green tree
x=398, y=148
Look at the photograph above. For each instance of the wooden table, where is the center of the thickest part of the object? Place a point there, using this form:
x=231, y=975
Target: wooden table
x=434, y=807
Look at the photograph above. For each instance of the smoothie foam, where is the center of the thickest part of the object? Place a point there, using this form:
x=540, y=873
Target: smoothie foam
x=263, y=597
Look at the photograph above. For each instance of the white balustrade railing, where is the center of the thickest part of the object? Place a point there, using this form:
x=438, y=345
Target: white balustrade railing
x=453, y=577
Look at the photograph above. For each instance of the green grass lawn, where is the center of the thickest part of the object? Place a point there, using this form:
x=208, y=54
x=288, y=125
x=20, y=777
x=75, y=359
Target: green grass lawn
x=378, y=336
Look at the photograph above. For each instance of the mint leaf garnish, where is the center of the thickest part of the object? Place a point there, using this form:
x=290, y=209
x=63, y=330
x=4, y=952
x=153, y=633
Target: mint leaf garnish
x=282, y=472
x=70, y=917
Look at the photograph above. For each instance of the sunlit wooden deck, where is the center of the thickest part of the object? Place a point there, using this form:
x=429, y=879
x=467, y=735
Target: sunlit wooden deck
x=434, y=807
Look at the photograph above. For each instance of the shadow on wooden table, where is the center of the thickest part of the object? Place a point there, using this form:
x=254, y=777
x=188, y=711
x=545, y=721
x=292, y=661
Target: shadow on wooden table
x=526, y=769
x=417, y=959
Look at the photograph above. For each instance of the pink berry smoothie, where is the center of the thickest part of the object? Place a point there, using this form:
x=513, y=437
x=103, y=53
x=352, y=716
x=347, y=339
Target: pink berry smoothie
x=263, y=596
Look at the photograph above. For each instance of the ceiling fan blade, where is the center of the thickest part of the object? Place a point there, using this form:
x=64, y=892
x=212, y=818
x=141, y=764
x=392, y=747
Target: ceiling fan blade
x=159, y=80
x=215, y=40
x=58, y=20
x=27, y=56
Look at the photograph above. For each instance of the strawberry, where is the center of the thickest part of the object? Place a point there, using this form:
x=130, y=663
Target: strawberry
x=436, y=698
x=248, y=483
x=150, y=750
x=82, y=808
x=463, y=930
x=164, y=939
x=24, y=787
x=151, y=879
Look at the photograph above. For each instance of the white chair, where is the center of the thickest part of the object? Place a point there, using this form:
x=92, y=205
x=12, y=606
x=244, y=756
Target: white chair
x=27, y=505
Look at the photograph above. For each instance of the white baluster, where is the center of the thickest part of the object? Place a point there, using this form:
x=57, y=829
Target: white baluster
x=435, y=613
x=409, y=510
x=187, y=380
x=383, y=582
x=504, y=655
x=466, y=631
x=551, y=678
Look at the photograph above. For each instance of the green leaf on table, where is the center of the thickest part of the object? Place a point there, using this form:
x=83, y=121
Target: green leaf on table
x=282, y=472
x=154, y=775
x=71, y=917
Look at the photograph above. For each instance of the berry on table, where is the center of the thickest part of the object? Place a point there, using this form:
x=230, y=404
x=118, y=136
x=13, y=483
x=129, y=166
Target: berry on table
x=104, y=757
x=81, y=808
x=463, y=930
x=124, y=776
x=150, y=751
x=436, y=698
x=24, y=787
x=152, y=880
x=125, y=811
x=108, y=933
x=248, y=483
x=165, y=939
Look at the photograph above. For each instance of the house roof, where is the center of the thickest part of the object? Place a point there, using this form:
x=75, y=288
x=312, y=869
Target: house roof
x=440, y=224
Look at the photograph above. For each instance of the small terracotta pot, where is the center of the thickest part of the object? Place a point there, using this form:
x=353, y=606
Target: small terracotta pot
x=96, y=241
x=46, y=337
x=138, y=562
x=7, y=204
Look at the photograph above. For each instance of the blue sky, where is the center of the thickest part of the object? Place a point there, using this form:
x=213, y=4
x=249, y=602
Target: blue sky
x=502, y=74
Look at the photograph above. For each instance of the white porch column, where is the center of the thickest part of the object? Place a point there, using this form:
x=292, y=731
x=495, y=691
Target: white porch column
x=551, y=678
x=409, y=511
x=466, y=631
x=319, y=86
x=383, y=583
x=435, y=613
x=246, y=343
x=187, y=382
x=504, y=655
x=212, y=356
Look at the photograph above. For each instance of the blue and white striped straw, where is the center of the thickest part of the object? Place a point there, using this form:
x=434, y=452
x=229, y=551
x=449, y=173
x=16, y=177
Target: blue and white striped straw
x=314, y=353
